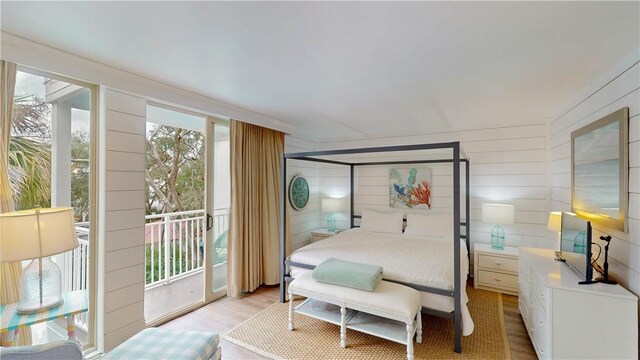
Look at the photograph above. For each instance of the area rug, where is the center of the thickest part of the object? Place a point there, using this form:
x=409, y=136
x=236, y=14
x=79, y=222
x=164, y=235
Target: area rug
x=267, y=334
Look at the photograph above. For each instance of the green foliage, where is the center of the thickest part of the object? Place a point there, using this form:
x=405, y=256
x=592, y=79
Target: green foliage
x=175, y=169
x=80, y=175
x=30, y=172
x=219, y=257
x=159, y=263
x=30, y=152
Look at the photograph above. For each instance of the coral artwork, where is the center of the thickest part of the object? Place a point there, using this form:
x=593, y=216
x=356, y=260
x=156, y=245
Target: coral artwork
x=410, y=188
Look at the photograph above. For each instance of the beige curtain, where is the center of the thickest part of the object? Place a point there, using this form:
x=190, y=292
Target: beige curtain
x=9, y=272
x=254, y=230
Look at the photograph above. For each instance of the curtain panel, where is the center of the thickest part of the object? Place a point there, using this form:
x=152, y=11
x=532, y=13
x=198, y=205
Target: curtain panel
x=9, y=272
x=254, y=230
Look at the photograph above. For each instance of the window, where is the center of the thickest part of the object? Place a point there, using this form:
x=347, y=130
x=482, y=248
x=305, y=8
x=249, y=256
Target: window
x=50, y=165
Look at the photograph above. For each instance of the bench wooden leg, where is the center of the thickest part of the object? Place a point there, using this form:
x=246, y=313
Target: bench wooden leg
x=410, y=341
x=419, y=337
x=290, y=310
x=343, y=327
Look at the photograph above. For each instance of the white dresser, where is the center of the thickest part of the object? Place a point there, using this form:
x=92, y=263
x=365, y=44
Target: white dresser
x=570, y=321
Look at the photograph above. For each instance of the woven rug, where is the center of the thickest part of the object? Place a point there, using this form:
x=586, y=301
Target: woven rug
x=267, y=334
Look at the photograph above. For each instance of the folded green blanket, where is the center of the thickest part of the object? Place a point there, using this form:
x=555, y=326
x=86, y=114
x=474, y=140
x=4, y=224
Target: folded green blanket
x=349, y=274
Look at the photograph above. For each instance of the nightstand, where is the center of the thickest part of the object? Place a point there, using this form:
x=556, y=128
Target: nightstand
x=495, y=270
x=319, y=234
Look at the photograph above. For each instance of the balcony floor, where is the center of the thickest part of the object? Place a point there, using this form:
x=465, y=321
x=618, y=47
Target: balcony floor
x=165, y=299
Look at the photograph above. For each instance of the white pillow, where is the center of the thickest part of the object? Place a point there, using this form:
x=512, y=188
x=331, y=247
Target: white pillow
x=384, y=222
x=435, y=225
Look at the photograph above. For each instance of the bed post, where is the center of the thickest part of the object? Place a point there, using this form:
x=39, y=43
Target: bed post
x=283, y=230
x=457, y=300
x=467, y=213
x=351, y=195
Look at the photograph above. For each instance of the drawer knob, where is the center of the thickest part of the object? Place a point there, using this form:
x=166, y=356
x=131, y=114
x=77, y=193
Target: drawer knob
x=496, y=279
x=498, y=263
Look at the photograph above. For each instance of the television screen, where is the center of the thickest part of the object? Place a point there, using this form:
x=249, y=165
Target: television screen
x=575, y=244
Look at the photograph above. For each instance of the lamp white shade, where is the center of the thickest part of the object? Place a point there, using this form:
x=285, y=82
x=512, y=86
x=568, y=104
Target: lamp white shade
x=555, y=221
x=330, y=205
x=36, y=233
x=498, y=214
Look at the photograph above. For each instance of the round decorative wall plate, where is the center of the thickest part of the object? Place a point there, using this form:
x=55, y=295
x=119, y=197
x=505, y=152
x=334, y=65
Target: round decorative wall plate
x=298, y=192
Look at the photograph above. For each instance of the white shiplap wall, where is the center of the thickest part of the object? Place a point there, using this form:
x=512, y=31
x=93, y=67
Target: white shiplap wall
x=303, y=222
x=622, y=90
x=508, y=165
x=122, y=200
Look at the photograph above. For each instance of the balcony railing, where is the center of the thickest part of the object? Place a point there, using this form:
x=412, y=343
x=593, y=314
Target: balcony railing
x=174, y=246
x=174, y=249
x=76, y=269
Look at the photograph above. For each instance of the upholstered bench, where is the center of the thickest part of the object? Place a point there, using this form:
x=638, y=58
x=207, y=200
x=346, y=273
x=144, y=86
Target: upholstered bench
x=154, y=343
x=364, y=311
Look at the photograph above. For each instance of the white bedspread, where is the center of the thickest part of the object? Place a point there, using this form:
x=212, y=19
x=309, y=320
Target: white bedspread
x=412, y=259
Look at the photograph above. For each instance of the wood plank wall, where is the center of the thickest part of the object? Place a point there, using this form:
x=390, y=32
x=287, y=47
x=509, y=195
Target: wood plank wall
x=508, y=165
x=304, y=221
x=619, y=91
x=122, y=201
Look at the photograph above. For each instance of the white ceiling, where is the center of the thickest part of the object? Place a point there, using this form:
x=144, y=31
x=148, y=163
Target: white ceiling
x=349, y=70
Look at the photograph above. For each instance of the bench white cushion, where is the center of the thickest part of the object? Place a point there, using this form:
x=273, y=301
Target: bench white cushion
x=389, y=299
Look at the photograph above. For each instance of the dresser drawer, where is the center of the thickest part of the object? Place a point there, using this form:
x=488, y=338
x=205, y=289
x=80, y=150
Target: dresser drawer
x=498, y=263
x=540, y=292
x=524, y=312
x=542, y=333
x=498, y=280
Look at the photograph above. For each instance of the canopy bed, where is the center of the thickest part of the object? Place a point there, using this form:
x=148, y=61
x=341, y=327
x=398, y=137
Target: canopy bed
x=428, y=264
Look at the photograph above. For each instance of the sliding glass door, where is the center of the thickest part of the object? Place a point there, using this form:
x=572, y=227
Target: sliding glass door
x=218, y=204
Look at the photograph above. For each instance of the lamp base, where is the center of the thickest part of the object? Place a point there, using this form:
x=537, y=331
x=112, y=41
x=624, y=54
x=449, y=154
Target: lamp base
x=40, y=287
x=46, y=305
x=331, y=223
x=497, y=237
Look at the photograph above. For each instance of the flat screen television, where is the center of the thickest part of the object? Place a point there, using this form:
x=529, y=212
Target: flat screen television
x=575, y=245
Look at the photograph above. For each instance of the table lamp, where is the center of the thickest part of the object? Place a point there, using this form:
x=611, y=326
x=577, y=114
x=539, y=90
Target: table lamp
x=555, y=224
x=498, y=214
x=37, y=234
x=331, y=206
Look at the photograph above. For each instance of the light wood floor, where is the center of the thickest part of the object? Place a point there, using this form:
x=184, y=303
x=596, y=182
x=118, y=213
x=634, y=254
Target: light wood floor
x=226, y=313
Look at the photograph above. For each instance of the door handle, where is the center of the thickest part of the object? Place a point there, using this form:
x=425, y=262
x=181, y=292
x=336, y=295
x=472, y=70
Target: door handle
x=209, y=222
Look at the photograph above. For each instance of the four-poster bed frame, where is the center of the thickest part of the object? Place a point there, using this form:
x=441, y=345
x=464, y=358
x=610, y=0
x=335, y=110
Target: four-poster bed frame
x=457, y=159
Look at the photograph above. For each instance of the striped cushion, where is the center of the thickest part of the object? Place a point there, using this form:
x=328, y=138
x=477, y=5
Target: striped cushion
x=154, y=343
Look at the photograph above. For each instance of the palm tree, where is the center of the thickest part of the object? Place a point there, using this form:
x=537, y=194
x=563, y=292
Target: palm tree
x=30, y=153
x=30, y=172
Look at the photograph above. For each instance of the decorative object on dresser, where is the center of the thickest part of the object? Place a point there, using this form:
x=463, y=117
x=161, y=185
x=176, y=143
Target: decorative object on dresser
x=495, y=270
x=600, y=170
x=331, y=206
x=605, y=272
x=37, y=234
x=498, y=214
x=569, y=321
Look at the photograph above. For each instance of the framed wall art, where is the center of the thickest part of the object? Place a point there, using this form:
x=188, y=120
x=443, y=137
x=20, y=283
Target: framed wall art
x=410, y=188
x=298, y=192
